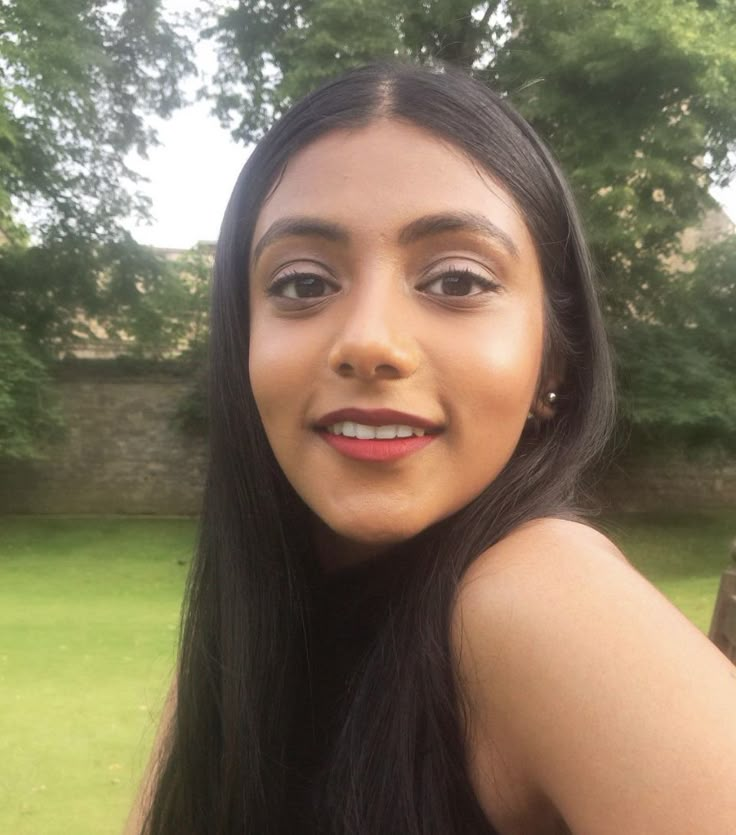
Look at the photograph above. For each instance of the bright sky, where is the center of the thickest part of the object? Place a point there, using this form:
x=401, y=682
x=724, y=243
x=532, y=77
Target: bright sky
x=193, y=171
x=191, y=176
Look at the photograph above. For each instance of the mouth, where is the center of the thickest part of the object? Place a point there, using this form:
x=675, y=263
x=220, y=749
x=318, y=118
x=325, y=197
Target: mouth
x=376, y=434
x=366, y=432
x=384, y=424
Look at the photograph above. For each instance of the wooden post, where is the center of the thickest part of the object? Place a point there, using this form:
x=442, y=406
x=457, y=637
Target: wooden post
x=723, y=625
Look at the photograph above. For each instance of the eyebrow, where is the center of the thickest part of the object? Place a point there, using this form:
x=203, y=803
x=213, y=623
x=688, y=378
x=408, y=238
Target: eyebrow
x=425, y=227
x=419, y=229
x=300, y=227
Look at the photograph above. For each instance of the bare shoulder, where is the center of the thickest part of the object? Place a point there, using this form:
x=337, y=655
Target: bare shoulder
x=545, y=570
x=533, y=543
x=549, y=561
x=587, y=694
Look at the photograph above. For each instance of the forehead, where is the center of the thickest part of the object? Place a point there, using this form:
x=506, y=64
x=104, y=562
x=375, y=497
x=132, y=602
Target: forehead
x=376, y=178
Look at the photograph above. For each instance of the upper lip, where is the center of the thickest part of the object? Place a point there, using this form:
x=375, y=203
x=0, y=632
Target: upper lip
x=376, y=417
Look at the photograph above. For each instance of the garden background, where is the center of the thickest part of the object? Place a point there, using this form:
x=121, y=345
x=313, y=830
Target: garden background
x=103, y=340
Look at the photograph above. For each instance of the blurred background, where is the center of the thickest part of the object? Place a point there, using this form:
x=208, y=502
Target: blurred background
x=123, y=126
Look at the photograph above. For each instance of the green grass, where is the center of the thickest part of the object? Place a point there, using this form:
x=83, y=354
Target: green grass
x=682, y=554
x=88, y=620
x=88, y=616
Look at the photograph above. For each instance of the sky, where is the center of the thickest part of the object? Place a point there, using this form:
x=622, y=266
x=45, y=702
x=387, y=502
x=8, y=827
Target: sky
x=192, y=172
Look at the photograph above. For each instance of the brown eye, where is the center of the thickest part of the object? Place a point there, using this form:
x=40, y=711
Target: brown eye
x=459, y=283
x=301, y=286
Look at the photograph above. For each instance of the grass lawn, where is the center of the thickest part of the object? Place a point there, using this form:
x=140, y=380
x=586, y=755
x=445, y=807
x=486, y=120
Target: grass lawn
x=682, y=554
x=88, y=617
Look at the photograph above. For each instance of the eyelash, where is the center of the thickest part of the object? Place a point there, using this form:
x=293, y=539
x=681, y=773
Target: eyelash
x=486, y=284
x=282, y=281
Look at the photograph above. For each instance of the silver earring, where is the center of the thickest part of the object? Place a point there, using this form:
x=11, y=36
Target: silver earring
x=551, y=398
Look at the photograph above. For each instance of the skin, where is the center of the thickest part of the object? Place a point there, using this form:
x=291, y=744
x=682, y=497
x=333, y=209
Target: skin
x=386, y=333
x=591, y=705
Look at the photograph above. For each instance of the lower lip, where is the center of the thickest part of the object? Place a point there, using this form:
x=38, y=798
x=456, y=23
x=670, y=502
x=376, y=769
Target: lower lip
x=376, y=449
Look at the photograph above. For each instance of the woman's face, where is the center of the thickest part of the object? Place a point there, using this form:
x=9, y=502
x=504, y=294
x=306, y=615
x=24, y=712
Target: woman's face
x=397, y=317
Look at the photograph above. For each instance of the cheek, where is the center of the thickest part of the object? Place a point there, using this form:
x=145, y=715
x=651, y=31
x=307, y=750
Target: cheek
x=283, y=360
x=495, y=365
x=269, y=367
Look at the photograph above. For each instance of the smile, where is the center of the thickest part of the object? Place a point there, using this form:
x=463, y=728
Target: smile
x=395, y=441
x=351, y=429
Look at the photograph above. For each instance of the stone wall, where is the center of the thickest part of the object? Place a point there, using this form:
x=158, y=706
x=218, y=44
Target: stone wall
x=674, y=481
x=123, y=453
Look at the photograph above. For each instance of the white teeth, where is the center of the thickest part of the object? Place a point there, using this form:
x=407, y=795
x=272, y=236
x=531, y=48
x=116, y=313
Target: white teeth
x=364, y=432
x=350, y=429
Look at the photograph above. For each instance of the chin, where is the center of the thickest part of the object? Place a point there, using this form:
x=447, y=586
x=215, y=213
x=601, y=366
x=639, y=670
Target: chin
x=372, y=534
x=347, y=541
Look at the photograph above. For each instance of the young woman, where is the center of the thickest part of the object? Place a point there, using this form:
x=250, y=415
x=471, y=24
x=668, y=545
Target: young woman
x=395, y=624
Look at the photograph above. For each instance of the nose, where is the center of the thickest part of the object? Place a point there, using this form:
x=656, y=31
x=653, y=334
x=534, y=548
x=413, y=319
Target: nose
x=374, y=340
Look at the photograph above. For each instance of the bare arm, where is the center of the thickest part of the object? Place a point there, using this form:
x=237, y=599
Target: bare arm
x=595, y=693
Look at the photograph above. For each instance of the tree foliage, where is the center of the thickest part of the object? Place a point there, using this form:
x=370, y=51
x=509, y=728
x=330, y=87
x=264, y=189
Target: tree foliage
x=58, y=298
x=168, y=313
x=66, y=296
x=636, y=99
x=678, y=372
x=28, y=413
x=79, y=80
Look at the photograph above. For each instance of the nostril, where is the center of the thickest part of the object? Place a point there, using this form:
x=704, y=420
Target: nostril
x=371, y=360
x=387, y=371
x=384, y=370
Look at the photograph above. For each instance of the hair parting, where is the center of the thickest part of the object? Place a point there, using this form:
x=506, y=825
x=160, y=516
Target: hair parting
x=255, y=619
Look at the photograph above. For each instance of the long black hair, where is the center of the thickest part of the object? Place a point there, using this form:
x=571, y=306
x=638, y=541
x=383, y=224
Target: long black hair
x=396, y=760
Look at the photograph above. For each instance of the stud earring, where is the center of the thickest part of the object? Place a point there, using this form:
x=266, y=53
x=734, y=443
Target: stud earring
x=551, y=398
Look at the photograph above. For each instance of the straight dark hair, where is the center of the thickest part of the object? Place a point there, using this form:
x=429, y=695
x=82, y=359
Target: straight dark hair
x=397, y=763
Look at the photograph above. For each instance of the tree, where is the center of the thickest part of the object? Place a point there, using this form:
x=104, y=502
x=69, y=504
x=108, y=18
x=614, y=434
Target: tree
x=679, y=372
x=168, y=315
x=27, y=409
x=78, y=81
x=65, y=295
x=635, y=98
x=272, y=53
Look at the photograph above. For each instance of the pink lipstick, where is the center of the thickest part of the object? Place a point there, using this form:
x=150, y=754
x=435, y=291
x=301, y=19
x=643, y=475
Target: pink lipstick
x=376, y=449
x=352, y=433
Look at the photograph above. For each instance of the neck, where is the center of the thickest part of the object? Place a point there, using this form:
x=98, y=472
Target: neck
x=335, y=552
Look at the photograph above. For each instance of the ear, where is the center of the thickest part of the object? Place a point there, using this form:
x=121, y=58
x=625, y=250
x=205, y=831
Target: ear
x=546, y=404
x=552, y=381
